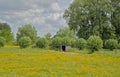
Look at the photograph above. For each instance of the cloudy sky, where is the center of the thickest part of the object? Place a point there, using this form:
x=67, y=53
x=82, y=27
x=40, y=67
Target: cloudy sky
x=44, y=15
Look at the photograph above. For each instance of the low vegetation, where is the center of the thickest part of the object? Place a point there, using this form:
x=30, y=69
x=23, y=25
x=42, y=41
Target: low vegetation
x=81, y=43
x=32, y=62
x=94, y=43
x=111, y=44
x=2, y=41
x=42, y=43
x=24, y=42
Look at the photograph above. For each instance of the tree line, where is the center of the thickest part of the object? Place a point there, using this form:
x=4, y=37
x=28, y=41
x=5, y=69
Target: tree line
x=27, y=37
x=93, y=24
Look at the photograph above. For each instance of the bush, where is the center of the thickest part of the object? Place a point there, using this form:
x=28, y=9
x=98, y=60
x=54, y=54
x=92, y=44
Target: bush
x=94, y=43
x=42, y=43
x=24, y=42
x=2, y=42
x=73, y=42
x=56, y=42
x=111, y=44
x=66, y=41
x=27, y=30
x=81, y=43
x=118, y=45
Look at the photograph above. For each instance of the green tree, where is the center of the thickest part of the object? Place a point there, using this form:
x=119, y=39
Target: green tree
x=65, y=32
x=81, y=43
x=42, y=43
x=107, y=32
x=28, y=31
x=2, y=41
x=115, y=17
x=57, y=41
x=5, y=32
x=5, y=26
x=90, y=17
x=94, y=43
x=66, y=41
x=48, y=36
x=7, y=35
x=24, y=42
x=111, y=44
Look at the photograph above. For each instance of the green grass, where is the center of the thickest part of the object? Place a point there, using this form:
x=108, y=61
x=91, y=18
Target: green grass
x=15, y=62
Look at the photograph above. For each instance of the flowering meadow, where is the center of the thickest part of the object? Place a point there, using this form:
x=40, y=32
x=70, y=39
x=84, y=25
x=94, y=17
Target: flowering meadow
x=15, y=62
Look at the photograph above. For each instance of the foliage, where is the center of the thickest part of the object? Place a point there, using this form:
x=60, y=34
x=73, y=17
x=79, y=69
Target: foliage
x=5, y=31
x=107, y=31
x=27, y=31
x=57, y=41
x=81, y=43
x=91, y=17
x=5, y=26
x=48, y=36
x=42, y=43
x=94, y=43
x=65, y=32
x=73, y=42
x=7, y=35
x=115, y=17
x=2, y=41
x=24, y=42
x=66, y=41
x=111, y=44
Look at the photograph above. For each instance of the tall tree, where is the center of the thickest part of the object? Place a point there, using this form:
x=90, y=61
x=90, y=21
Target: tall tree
x=90, y=17
x=115, y=17
x=27, y=31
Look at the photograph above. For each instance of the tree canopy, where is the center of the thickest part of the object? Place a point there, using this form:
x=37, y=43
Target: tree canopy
x=94, y=17
x=5, y=31
x=65, y=32
x=5, y=26
x=28, y=31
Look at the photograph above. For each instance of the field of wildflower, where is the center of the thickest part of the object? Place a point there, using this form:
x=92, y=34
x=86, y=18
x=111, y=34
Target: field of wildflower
x=15, y=62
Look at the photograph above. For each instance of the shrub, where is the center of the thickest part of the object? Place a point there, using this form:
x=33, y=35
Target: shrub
x=24, y=42
x=42, y=43
x=94, y=43
x=73, y=42
x=66, y=41
x=2, y=42
x=81, y=43
x=111, y=44
x=56, y=42
x=27, y=30
x=118, y=45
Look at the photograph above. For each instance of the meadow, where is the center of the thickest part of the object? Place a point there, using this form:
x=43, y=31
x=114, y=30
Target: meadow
x=33, y=62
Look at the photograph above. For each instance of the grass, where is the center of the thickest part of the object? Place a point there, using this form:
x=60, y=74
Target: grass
x=15, y=62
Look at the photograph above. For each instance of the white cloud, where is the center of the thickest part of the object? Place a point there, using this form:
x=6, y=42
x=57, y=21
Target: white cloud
x=55, y=16
x=45, y=15
x=55, y=7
